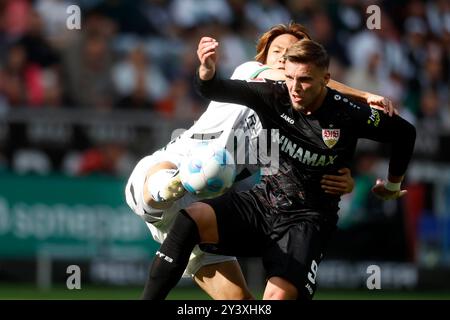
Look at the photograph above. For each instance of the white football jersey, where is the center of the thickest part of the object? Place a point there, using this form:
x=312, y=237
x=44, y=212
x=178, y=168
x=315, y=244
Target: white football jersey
x=217, y=123
x=220, y=123
x=226, y=124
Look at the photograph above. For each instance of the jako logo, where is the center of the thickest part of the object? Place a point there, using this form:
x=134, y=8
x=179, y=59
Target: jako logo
x=285, y=117
x=164, y=257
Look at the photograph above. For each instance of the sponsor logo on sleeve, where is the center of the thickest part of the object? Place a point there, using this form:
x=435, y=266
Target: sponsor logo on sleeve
x=287, y=118
x=374, y=117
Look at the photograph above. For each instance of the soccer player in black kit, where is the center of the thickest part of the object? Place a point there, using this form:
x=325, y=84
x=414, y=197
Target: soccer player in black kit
x=287, y=219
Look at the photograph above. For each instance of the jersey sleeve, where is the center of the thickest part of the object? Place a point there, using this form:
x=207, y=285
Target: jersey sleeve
x=134, y=192
x=254, y=94
x=373, y=124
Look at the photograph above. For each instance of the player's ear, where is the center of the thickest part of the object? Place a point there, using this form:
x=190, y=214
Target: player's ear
x=326, y=78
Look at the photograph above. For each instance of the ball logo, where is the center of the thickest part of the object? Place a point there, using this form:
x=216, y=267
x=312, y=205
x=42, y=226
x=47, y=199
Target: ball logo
x=208, y=171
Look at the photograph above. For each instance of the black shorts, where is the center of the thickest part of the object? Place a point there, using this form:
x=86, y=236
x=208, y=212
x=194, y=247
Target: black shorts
x=291, y=240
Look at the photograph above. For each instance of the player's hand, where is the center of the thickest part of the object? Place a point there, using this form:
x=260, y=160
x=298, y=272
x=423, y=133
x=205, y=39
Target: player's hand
x=339, y=184
x=381, y=192
x=207, y=55
x=381, y=103
x=173, y=190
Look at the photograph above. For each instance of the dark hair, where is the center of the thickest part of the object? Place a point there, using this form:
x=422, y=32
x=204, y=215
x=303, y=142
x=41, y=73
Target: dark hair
x=262, y=47
x=308, y=51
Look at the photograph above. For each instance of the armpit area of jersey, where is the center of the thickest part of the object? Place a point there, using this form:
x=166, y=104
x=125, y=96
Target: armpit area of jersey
x=155, y=215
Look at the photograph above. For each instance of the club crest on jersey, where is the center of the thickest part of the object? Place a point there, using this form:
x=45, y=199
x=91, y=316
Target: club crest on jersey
x=330, y=136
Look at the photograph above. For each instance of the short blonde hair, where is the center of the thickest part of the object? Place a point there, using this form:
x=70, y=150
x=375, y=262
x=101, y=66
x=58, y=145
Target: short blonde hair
x=308, y=51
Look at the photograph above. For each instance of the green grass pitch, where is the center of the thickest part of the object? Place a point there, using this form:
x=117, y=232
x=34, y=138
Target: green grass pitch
x=91, y=292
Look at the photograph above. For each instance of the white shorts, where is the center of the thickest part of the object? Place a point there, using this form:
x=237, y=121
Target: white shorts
x=160, y=221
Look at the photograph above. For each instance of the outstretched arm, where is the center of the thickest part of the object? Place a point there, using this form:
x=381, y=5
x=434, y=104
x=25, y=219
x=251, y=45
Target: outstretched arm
x=253, y=94
x=374, y=125
x=403, y=139
x=206, y=53
x=373, y=100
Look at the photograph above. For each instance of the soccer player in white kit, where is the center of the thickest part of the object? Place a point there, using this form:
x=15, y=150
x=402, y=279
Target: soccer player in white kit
x=217, y=124
x=155, y=193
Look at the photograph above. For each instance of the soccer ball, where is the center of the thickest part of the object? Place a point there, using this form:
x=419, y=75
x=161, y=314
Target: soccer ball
x=208, y=171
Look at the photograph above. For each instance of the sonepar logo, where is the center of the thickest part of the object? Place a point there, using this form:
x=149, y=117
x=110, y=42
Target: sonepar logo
x=61, y=215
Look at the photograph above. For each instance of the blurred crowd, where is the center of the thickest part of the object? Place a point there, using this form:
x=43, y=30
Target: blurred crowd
x=140, y=55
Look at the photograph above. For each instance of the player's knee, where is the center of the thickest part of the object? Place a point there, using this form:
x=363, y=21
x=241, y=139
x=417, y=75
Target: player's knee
x=205, y=218
x=280, y=294
x=280, y=289
x=199, y=212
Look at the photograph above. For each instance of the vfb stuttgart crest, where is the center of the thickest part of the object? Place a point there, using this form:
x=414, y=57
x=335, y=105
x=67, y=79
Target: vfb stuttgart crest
x=330, y=136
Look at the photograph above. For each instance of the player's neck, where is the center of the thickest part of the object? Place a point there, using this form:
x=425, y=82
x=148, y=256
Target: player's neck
x=316, y=104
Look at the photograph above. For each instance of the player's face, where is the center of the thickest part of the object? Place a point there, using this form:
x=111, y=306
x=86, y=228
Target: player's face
x=277, y=49
x=306, y=83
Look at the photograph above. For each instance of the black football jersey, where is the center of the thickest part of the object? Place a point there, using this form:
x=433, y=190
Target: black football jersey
x=316, y=144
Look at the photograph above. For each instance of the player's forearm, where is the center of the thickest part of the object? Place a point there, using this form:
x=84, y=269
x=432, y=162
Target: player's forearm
x=395, y=179
x=393, y=183
x=210, y=88
x=206, y=73
x=232, y=91
x=355, y=94
x=401, y=150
